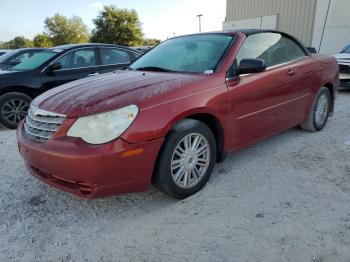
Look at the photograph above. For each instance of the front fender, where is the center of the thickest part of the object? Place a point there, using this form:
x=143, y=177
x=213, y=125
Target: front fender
x=156, y=121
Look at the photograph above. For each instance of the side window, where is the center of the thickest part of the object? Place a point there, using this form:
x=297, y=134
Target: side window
x=294, y=51
x=64, y=61
x=273, y=48
x=265, y=46
x=112, y=56
x=78, y=59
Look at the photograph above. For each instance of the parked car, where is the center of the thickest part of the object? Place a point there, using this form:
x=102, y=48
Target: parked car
x=143, y=49
x=17, y=56
x=53, y=67
x=4, y=51
x=176, y=111
x=343, y=59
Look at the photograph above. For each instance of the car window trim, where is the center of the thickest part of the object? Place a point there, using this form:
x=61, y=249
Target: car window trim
x=75, y=68
x=270, y=68
x=116, y=64
x=121, y=48
x=286, y=63
x=75, y=49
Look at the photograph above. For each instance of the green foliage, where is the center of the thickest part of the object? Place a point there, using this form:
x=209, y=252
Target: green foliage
x=151, y=42
x=42, y=40
x=17, y=42
x=63, y=30
x=117, y=26
x=113, y=25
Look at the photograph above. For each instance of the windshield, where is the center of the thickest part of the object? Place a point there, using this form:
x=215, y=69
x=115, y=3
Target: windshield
x=35, y=61
x=346, y=50
x=190, y=54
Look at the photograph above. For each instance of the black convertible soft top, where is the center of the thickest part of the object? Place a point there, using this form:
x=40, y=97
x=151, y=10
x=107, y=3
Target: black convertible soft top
x=249, y=32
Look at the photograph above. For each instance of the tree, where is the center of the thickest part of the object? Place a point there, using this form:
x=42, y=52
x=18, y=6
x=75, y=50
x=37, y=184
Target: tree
x=151, y=42
x=63, y=30
x=3, y=45
x=117, y=26
x=17, y=42
x=42, y=40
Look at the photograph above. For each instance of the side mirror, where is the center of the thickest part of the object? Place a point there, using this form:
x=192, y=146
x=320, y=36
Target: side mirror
x=311, y=50
x=53, y=67
x=249, y=66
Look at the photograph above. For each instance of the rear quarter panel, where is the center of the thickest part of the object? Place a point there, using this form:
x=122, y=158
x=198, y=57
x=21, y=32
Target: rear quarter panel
x=326, y=70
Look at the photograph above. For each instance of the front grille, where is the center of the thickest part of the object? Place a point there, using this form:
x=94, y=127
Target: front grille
x=344, y=69
x=41, y=125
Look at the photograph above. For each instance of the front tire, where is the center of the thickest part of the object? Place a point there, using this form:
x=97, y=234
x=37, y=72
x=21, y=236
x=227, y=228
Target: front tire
x=186, y=159
x=13, y=108
x=319, y=114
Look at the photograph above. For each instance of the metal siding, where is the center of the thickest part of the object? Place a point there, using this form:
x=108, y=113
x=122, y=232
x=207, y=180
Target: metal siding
x=294, y=16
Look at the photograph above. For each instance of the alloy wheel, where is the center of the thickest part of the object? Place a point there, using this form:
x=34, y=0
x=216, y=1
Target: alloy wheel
x=14, y=110
x=321, y=111
x=190, y=160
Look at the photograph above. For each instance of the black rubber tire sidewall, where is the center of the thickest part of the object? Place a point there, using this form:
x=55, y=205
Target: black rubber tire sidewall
x=163, y=179
x=3, y=99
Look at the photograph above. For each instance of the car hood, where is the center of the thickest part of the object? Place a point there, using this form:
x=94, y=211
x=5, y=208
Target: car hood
x=111, y=91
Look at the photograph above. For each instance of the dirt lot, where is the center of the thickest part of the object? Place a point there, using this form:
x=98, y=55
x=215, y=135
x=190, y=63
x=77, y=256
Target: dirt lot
x=285, y=199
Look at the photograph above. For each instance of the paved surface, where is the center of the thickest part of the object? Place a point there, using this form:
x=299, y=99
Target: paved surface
x=285, y=199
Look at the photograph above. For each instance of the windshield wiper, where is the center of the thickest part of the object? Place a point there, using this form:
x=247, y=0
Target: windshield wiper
x=154, y=68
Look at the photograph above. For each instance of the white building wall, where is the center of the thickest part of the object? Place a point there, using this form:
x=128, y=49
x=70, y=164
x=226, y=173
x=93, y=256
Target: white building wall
x=337, y=30
x=261, y=22
x=295, y=17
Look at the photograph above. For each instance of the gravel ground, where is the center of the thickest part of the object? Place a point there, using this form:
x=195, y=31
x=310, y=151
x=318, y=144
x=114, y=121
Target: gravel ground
x=285, y=199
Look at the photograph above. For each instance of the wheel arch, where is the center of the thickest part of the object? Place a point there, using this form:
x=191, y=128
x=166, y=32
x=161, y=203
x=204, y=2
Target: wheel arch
x=215, y=126
x=208, y=118
x=20, y=89
x=332, y=91
x=205, y=117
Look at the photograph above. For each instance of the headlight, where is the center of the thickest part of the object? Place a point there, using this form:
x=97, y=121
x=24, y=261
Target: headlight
x=105, y=127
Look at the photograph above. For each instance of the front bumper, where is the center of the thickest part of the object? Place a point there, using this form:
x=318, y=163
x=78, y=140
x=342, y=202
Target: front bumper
x=90, y=171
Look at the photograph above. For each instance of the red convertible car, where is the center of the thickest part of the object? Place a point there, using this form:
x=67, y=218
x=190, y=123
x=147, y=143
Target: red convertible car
x=175, y=112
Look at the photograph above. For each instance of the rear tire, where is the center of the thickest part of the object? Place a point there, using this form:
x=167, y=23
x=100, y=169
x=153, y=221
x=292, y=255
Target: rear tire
x=13, y=108
x=320, y=111
x=186, y=159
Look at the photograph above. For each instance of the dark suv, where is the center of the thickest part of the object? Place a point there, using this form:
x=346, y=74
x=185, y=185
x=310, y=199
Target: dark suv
x=53, y=67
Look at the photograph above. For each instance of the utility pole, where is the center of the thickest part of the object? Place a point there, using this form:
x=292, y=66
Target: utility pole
x=200, y=24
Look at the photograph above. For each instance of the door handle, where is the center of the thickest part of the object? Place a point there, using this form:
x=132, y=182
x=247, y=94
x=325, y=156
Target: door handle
x=291, y=72
x=93, y=74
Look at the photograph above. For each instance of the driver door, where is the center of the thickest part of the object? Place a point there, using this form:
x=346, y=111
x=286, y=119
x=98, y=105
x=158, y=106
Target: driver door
x=268, y=102
x=75, y=64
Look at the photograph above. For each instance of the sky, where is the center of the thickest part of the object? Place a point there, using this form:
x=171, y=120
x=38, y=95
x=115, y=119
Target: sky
x=160, y=18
